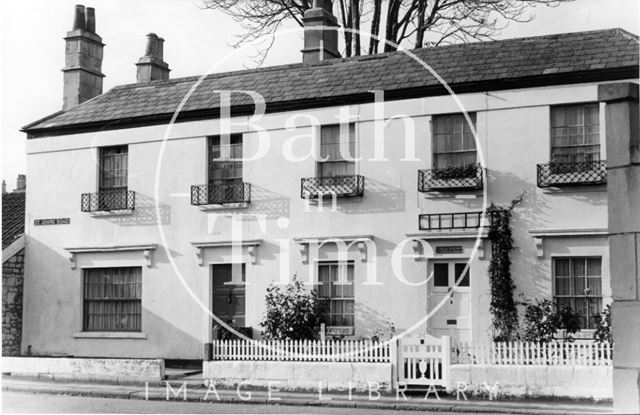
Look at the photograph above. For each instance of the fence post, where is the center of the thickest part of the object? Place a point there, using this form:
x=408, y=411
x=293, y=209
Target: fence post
x=446, y=360
x=394, y=359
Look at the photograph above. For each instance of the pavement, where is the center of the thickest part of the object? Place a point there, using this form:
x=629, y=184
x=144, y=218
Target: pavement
x=194, y=391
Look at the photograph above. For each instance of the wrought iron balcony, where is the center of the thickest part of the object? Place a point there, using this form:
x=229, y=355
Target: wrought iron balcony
x=204, y=194
x=440, y=221
x=572, y=174
x=450, y=179
x=340, y=186
x=108, y=200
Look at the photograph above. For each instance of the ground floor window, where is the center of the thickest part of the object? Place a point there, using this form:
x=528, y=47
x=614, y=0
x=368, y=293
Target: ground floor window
x=112, y=299
x=336, y=289
x=578, y=284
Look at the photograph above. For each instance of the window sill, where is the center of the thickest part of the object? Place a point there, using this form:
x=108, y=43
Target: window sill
x=110, y=335
x=123, y=212
x=239, y=205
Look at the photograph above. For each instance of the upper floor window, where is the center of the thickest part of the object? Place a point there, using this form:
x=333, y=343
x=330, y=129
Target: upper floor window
x=225, y=160
x=113, y=168
x=575, y=133
x=112, y=299
x=337, y=147
x=337, y=290
x=453, y=141
x=578, y=284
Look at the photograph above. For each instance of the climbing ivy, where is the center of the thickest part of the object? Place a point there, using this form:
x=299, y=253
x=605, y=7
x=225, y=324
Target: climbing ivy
x=503, y=305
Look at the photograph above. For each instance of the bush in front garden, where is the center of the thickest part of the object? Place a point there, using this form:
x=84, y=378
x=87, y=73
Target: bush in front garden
x=293, y=312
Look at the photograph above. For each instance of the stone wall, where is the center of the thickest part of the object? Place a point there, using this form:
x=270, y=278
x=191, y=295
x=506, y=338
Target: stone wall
x=12, y=286
x=534, y=381
x=299, y=375
x=136, y=371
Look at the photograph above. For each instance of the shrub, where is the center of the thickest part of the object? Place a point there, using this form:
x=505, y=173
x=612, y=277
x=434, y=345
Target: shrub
x=379, y=332
x=603, y=334
x=568, y=321
x=539, y=321
x=543, y=319
x=293, y=312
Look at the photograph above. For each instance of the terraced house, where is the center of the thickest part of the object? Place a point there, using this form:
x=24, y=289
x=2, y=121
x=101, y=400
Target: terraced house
x=150, y=187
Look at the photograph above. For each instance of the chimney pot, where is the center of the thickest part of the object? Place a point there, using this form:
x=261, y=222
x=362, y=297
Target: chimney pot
x=152, y=45
x=90, y=19
x=78, y=18
x=323, y=4
x=160, y=48
x=152, y=67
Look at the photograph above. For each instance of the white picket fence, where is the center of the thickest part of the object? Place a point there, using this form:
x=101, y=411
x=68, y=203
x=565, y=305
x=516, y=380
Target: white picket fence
x=531, y=353
x=303, y=350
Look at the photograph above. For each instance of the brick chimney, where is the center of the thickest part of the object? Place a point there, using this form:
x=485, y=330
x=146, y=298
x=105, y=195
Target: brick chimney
x=83, y=59
x=21, y=183
x=319, y=45
x=4, y=186
x=152, y=67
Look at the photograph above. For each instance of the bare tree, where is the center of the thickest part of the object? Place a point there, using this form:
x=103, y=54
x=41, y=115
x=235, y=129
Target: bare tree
x=416, y=23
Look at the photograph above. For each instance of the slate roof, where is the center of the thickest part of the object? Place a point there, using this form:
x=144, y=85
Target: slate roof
x=545, y=60
x=12, y=217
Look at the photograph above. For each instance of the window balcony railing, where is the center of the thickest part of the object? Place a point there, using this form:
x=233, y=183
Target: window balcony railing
x=339, y=186
x=572, y=174
x=449, y=179
x=108, y=200
x=441, y=221
x=205, y=194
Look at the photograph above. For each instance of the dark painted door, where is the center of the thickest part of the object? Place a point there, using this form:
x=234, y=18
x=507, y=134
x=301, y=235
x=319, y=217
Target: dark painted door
x=228, y=297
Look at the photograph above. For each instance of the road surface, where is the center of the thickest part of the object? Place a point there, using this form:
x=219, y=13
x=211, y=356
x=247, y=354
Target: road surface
x=18, y=402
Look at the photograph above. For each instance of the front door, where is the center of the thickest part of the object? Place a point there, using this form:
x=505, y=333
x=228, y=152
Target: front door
x=228, y=296
x=453, y=318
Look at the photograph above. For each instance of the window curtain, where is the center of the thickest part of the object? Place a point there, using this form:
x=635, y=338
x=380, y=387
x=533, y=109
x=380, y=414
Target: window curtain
x=453, y=141
x=338, y=292
x=336, y=150
x=112, y=299
x=575, y=134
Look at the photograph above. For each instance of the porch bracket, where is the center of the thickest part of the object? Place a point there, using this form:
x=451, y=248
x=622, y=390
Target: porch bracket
x=200, y=255
x=147, y=256
x=362, y=248
x=539, y=241
x=72, y=259
x=304, y=252
x=416, y=245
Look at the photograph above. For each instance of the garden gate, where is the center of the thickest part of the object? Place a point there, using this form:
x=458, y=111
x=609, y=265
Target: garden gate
x=424, y=360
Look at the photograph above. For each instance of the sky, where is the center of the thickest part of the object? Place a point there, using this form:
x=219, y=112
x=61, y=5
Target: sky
x=32, y=48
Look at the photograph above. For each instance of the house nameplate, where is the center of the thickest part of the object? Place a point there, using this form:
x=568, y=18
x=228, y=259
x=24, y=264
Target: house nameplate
x=340, y=331
x=446, y=249
x=52, y=221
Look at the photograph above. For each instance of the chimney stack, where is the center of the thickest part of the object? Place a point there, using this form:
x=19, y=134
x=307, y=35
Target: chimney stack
x=21, y=183
x=152, y=67
x=83, y=59
x=4, y=186
x=319, y=45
